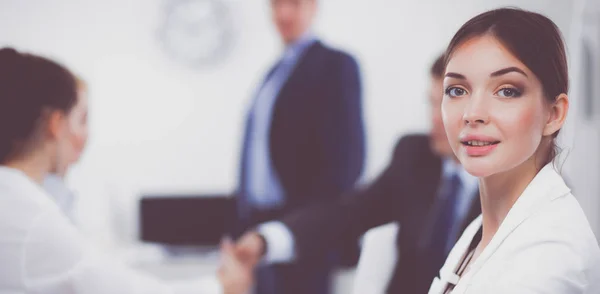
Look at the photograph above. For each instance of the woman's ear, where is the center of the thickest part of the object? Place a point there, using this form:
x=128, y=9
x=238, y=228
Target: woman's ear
x=56, y=120
x=558, y=114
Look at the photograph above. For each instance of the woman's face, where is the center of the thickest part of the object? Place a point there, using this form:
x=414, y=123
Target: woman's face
x=73, y=134
x=493, y=109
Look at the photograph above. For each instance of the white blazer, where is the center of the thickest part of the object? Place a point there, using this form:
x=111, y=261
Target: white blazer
x=42, y=252
x=544, y=245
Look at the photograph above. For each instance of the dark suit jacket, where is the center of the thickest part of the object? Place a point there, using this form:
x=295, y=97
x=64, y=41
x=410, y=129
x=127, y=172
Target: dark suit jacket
x=316, y=138
x=403, y=193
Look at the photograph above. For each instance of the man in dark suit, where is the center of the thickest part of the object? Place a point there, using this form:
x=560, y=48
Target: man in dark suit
x=304, y=140
x=424, y=189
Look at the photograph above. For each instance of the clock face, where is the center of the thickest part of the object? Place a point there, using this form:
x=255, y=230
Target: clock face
x=197, y=33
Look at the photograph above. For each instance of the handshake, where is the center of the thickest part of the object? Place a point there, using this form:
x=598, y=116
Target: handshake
x=238, y=261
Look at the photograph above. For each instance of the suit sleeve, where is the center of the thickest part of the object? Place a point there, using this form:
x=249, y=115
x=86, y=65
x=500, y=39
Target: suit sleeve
x=320, y=226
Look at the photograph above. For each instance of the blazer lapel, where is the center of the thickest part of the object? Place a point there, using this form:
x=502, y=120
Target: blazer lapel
x=297, y=73
x=545, y=187
x=447, y=272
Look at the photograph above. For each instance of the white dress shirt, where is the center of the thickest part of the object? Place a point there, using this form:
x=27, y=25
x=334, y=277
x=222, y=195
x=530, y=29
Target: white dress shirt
x=42, y=252
x=280, y=241
x=544, y=245
x=378, y=259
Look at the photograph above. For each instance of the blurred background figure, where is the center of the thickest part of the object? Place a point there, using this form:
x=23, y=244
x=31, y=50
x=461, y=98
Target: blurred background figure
x=304, y=142
x=42, y=131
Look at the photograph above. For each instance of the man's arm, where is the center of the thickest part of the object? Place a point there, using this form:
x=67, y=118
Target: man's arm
x=312, y=230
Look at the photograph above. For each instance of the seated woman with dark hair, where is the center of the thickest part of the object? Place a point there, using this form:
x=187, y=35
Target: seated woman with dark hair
x=42, y=115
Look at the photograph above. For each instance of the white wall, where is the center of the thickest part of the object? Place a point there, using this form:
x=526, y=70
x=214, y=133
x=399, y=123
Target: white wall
x=582, y=163
x=158, y=126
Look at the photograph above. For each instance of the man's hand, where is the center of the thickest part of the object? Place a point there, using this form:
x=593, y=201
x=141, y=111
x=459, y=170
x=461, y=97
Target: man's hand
x=236, y=275
x=238, y=262
x=250, y=248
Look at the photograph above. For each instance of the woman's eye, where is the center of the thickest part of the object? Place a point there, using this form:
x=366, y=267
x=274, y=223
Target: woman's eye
x=509, y=93
x=455, y=91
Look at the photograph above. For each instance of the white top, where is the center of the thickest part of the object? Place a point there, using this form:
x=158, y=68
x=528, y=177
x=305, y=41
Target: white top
x=544, y=245
x=41, y=251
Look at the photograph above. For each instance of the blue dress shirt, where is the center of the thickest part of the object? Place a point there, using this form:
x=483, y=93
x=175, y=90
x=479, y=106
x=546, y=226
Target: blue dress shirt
x=262, y=184
x=466, y=195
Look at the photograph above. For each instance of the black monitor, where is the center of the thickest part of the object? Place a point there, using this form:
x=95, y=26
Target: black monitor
x=186, y=220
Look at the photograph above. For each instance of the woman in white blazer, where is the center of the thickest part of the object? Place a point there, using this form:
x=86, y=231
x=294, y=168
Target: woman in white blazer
x=41, y=114
x=504, y=103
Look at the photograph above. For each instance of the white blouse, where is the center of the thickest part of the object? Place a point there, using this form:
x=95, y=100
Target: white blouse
x=544, y=245
x=42, y=252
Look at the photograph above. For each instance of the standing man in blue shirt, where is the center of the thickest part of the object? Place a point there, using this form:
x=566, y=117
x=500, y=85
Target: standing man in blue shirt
x=304, y=140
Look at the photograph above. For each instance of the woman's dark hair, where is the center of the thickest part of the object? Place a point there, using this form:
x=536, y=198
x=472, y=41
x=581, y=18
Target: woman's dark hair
x=532, y=38
x=30, y=87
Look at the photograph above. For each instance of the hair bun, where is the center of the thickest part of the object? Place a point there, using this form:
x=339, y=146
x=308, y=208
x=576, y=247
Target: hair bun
x=12, y=64
x=7, y=54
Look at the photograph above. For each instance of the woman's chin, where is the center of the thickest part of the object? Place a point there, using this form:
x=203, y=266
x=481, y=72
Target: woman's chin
x=477, y=167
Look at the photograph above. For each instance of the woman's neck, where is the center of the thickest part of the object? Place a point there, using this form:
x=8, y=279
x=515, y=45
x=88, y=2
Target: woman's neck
x=499, y=193
x=34, y=166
